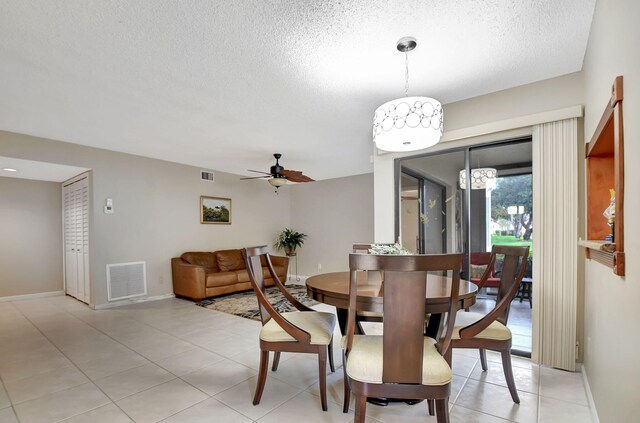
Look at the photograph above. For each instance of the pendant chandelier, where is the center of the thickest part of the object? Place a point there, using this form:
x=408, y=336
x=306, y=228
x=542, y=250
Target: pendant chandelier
x=481, y=178
x=408, y=123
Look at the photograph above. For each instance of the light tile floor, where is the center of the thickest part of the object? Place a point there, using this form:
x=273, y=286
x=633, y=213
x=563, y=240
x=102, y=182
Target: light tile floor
x=171, y=361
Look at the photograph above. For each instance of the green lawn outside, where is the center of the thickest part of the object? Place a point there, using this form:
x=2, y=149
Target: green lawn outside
x=509, y=240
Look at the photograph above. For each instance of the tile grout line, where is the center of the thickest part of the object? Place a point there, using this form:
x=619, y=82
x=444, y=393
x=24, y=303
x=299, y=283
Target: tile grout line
x=176, y=376
x=539, y=400
x=74, y=364
x=134, y=318
x=9, y=398
x=150, y=361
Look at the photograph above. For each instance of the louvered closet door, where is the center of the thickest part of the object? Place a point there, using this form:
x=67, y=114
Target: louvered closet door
x=71, y=266
x=84, y=253
x=76, y=230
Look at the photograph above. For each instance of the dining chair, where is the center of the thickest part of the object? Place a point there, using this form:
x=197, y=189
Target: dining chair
x=402, y=362
x=302, y=331
x=490, y=331
x=366, y=316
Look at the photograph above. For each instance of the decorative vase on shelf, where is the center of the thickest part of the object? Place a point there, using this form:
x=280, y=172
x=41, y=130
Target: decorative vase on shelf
x=610, y=214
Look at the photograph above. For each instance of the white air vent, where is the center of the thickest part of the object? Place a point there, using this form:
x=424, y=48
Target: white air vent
x=126, y=280
x=207, y=175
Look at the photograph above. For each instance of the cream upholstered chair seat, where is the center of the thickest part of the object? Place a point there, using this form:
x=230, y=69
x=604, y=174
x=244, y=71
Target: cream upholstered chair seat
x=318, y=324
x=365, y=361
x=369, y=314
x=495, y=330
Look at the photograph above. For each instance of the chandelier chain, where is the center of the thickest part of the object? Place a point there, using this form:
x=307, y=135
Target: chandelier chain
x=406, y=74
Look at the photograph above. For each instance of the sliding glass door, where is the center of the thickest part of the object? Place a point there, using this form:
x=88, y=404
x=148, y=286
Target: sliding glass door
x=467, y=200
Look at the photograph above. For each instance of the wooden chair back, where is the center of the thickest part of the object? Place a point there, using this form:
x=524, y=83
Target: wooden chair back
x=254, y=258
x=405, y=284
x=513, y=267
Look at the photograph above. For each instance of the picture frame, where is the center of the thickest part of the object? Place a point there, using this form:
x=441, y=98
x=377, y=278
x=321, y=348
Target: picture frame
x=215, y=210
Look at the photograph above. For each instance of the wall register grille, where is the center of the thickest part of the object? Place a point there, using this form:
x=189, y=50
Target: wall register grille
x=126, y=280
x=207, y=175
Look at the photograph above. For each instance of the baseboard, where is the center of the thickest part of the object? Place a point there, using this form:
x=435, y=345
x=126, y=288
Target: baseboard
x=592, y=404
x=32, y=296
x=132, y=301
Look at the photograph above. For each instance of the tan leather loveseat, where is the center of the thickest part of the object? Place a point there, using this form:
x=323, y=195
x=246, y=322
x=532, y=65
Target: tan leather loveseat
x=199, y=275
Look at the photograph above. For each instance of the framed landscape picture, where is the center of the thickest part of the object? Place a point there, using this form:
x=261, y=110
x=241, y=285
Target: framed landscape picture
x=215, y=210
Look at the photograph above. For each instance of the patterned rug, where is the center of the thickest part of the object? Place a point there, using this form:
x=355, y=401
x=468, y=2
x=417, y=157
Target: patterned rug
x=245, y=304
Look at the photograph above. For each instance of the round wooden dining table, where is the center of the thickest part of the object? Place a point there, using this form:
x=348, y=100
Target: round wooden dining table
x=333, y=289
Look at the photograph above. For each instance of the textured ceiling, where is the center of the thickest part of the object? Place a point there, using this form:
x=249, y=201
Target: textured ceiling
x=223, y=84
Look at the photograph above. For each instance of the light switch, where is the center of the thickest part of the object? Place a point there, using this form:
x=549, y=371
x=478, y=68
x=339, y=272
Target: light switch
x=108, y=208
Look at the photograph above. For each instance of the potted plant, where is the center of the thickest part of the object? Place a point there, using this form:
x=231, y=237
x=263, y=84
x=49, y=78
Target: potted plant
x=289, y=240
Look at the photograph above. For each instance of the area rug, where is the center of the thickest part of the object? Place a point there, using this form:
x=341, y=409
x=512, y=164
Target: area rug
x=245, y=304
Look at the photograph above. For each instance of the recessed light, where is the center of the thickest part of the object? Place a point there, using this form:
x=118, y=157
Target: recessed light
x=8, y=169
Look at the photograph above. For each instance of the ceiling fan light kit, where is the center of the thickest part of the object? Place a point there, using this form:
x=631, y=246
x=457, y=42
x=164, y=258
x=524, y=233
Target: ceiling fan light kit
x=278, y=175
x=408, y=123
x=278, y=182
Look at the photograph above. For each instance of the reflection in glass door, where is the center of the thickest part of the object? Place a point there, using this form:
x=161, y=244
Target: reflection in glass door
x=423, y=212
x=410, y=213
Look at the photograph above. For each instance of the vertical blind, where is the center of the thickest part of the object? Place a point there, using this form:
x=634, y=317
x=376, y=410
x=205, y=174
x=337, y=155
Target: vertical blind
x=555, y=251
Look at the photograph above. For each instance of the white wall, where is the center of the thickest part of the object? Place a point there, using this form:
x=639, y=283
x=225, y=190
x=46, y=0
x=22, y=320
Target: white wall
x=612, y=311
x=30, y=237
x=156, y=207
x=335, y=213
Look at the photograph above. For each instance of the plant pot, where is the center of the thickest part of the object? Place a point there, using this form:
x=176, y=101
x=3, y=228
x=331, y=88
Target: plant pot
x=290, y=251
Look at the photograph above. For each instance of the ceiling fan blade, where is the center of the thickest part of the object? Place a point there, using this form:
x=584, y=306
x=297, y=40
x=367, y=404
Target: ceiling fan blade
x=296, y=176
x=259, y=171
x=256, y=177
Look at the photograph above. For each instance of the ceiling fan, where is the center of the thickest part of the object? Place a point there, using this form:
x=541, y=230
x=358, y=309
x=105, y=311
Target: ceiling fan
x=278, y=175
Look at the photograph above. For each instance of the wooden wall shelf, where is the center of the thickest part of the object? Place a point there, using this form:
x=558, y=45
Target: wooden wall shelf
x=605, y=170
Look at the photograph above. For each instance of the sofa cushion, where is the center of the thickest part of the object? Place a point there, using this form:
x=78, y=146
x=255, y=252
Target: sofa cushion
x=221, y=278
x=243, y=275
x=230, y=260
x=280, y=271
x=207, y=260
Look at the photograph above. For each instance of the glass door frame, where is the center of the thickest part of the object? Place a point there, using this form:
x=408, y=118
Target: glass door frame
x=466, y=216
